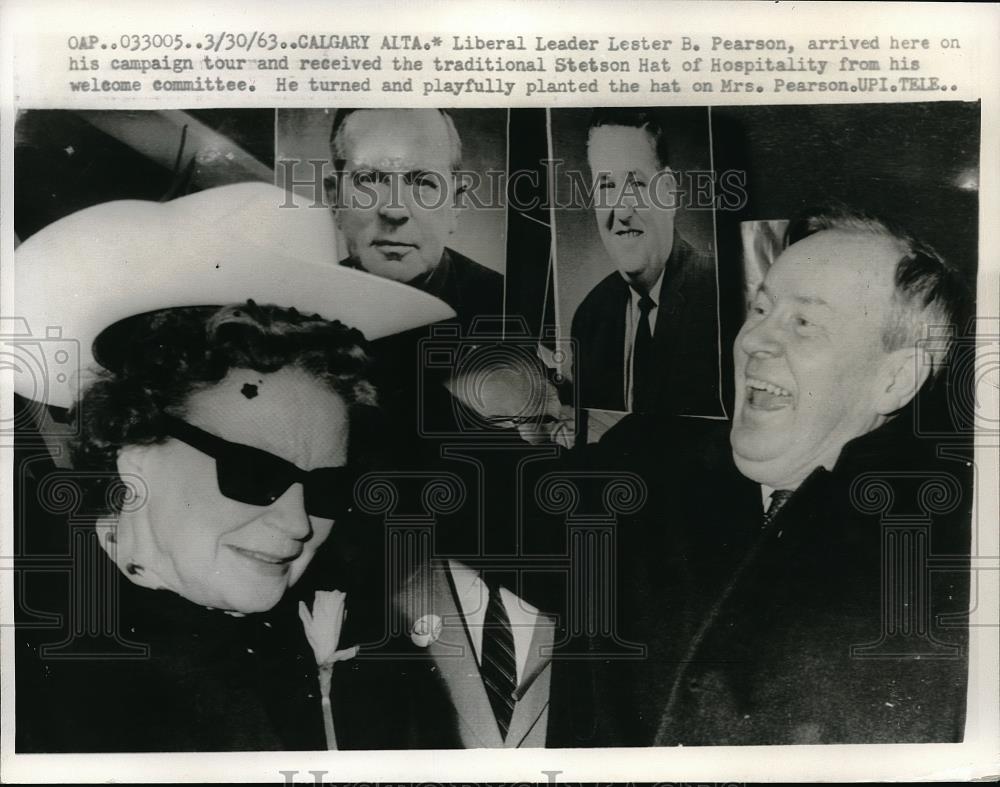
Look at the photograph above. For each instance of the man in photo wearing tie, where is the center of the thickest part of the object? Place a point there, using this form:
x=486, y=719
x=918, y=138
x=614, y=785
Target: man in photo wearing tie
x=647, y=336
x=480, y=666
x=781, y=576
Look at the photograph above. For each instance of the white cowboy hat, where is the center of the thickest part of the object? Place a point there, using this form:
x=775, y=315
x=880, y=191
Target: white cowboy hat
x=220, y=246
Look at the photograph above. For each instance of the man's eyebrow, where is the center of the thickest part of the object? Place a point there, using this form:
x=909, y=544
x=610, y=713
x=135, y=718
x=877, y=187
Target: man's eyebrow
x=414, y=172
x=368, y=166
x=811, y=300
x=806, y=300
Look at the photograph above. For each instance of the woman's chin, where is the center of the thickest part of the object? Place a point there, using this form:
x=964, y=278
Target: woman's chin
x=253, y=598
x=254, y=605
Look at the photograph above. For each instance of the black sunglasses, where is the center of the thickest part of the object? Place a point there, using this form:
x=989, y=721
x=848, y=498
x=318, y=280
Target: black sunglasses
x=252, y=475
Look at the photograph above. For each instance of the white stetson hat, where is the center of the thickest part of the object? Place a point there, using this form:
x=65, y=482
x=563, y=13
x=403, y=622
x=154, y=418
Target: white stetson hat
x=220, y=246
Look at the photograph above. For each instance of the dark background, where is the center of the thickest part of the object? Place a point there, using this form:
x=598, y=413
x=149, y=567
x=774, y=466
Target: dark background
x=916, y=163
x=65, y=161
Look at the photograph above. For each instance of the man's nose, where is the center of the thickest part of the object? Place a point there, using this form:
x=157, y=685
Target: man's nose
x=288, y=514
x=394, y=201
x=761, y=338
x=624, y=208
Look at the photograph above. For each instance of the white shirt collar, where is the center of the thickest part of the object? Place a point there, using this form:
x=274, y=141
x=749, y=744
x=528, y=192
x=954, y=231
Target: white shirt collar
x=473, y=596
x=654, y=291
x=765, y=496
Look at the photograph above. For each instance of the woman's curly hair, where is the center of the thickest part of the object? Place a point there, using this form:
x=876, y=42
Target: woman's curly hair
x=155, y=362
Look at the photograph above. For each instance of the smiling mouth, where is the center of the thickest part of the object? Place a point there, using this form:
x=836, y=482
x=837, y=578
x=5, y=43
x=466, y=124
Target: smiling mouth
x=629, y=233
x=265, y=558
x=764, y=395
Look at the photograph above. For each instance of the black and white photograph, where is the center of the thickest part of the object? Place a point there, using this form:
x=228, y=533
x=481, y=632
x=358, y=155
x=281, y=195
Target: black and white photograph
x=644, y=428
x=648, y=230
x=451, y=242
x=214, y=469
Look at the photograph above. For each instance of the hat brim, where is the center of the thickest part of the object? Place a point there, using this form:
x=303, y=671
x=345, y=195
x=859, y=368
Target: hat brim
x=248, y=241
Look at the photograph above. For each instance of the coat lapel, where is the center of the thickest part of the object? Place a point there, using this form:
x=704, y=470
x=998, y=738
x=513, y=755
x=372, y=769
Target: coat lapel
x=671, y=308
x=611, y=362
x=431, y=593
x=528, y=725
x=460, y=673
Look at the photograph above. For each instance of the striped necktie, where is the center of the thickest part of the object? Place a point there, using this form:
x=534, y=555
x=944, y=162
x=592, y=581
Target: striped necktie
x=779, y=497
x=499, y=665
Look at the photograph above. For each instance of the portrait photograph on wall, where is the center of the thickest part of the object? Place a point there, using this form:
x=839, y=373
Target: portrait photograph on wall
x=634, y=217
x=452, y=242
x=666, y=504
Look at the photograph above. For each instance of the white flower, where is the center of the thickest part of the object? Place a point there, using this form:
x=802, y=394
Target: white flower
x=425, y=631
x=323, y=626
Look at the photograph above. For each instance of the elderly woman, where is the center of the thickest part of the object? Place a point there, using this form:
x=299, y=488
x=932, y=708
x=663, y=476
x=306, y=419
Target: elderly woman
x=229, y=429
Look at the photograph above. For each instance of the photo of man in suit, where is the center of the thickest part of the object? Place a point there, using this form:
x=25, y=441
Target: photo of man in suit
x=765, y=575
x=647, y=335
x=485, y=674
x=396, y=201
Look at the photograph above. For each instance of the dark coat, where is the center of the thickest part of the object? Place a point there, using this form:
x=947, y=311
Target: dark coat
x=685, y=340
x=167, y=675
x=776, y=636
x=471, y=289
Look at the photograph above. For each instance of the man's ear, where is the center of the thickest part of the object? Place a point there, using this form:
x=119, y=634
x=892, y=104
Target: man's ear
x=902, y=374
x=666, y=189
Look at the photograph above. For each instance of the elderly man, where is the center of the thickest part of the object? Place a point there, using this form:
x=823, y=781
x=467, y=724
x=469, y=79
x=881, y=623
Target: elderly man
x=648, y=334
x=396, y=202
x=782, y=583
